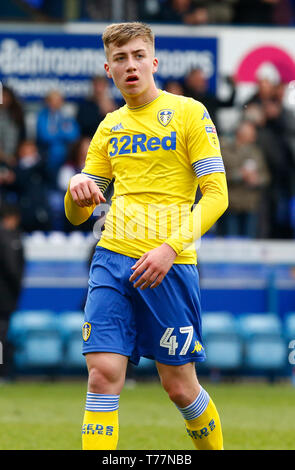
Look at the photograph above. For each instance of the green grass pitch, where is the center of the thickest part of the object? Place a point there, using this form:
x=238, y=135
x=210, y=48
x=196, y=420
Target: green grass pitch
x=42, y=415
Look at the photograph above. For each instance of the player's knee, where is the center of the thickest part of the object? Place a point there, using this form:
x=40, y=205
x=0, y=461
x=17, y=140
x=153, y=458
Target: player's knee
x=104, y=380
x=177, y=391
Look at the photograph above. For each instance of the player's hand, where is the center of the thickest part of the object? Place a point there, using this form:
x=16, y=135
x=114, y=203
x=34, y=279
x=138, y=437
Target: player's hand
x=85, y=191
x=152, y=267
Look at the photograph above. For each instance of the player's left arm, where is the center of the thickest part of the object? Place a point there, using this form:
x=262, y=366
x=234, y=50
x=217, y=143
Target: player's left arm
x=214, y=200
x=153, y=266
x=206, y=160
x=212, y=205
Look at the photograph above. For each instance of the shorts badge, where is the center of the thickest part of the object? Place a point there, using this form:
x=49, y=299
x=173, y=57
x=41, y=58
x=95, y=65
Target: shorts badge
x=165, y=116
x=86, y=330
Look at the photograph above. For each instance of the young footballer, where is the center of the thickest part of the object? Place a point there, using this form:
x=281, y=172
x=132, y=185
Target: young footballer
x=143, y=297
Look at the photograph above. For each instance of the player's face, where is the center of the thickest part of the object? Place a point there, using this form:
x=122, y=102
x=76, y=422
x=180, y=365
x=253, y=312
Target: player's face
x=131, y=67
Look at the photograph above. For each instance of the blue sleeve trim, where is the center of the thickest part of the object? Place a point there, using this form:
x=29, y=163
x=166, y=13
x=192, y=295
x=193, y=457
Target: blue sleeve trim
x=101, y=181
x=208, y=165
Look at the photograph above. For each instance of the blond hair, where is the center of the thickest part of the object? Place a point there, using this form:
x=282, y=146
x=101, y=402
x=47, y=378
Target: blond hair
x=121, y=33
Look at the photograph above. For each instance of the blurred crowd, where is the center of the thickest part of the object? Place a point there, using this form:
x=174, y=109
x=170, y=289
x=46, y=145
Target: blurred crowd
x=202, y=12
x=35, y=172
x=258, y=153
x=192, y=12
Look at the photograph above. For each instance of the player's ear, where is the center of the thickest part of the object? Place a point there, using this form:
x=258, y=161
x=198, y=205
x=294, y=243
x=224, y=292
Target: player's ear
x=107, y=69
x=155, y=64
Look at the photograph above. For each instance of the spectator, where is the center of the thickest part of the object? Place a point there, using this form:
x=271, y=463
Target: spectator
x=175, y=87
x=292, y=6
x=247, y=176
x=12, y=126
x=196, y=86
x=287, y=116
x=93, y=110
x=195, y=12
x=184, y=11
x=106, y=10
x=7, y=178
x=74, y=164
x=274, y=139
x=55, y=132
x=266, y=91
x=283, y=13
x=254, y=113
x=150, y=11
x=220, y=11
x=257, y=12
x=211, y=11
x=97, y=11
x=31, y=186
x=11, y=274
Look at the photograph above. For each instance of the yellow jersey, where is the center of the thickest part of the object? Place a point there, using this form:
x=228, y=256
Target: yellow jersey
x=156, y=154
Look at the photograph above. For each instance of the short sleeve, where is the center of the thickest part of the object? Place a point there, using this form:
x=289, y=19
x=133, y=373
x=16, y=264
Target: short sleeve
x=202, y=141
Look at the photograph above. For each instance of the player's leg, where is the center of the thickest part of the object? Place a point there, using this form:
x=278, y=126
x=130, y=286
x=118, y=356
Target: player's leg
x=109, y=339
x=170, y=330
x=106, y=372
x=106, y=376
x=197, y=408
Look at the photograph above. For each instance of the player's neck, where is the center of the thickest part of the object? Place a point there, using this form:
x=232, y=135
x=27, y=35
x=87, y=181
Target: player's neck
x=144, y=98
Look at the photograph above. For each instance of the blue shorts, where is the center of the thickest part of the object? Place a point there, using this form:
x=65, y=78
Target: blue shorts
x=163, y=323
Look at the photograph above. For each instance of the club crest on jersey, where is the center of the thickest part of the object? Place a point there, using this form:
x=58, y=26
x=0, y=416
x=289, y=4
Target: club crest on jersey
x=86, y=330
x=165, y=116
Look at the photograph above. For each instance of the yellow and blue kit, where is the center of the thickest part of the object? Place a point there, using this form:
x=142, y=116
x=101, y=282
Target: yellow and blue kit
x=157, y=154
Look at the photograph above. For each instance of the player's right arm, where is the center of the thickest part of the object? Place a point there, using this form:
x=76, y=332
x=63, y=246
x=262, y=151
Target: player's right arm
x=85, y=190
x=81, y=198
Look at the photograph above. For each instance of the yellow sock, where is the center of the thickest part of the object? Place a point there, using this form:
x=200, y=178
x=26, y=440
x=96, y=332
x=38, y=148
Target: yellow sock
x=203, y=423
x=100, y=429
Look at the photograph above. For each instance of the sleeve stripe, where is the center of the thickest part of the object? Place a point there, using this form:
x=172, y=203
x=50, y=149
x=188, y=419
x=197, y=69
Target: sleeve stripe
x=101, y=181
x=208, y=165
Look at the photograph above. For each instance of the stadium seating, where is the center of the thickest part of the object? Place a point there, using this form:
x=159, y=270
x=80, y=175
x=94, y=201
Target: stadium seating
x=259, y=324
x=289, y=326
x=146, y=367
x=45, y=341
x=24, y=321
x=265, y=345
x=224, y=352
x=42, y=349
x=70, y=328
x=218, y=322
x=222, y=343
x=266, y=353
x=36, y=340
